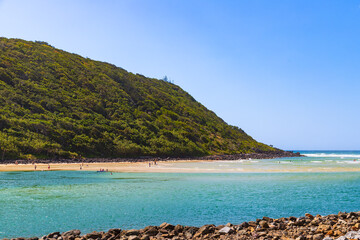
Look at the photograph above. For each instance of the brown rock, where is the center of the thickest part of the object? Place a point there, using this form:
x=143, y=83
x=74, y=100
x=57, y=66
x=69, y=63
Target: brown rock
x=93, y=235
x=323, y=228
x=151, y=231
x=132, y=232
x=145, y=237
x=308, y=215
x=190, y=232
x=71, y=233
x=205, y=230
x=318, y=236
x=114, y=231
x=178, y=228
x=133, y=237
x=167, y=226
x=263, y=224
x=330, y=233
x=53, y=235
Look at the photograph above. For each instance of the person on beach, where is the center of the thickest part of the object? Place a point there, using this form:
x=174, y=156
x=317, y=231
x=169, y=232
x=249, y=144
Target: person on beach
x=149, y=164
x=80, y=167
x=48, y=166
x=35, y=166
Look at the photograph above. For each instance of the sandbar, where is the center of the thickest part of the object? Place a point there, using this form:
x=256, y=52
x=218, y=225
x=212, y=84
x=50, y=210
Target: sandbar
x=168, y=167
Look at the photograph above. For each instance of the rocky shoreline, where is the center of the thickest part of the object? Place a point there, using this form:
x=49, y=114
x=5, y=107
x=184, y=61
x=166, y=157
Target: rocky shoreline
x=341, y=226
x=263, y=155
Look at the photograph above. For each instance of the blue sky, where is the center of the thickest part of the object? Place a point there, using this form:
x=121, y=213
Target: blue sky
x=286, y=72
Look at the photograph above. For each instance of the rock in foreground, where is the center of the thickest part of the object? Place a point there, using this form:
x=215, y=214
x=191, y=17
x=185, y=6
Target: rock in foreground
x=341, y=226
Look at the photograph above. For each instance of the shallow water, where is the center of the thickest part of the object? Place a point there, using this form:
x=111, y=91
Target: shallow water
x=315, y=161
x=37, y=203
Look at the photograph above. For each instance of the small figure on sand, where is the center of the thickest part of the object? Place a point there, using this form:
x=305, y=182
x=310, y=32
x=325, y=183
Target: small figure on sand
x=80, y=167
x=149, y=164
x=48, y=166
x=35, y=166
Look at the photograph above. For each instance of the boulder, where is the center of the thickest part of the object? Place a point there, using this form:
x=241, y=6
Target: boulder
x=318, y=236
x=114, y=231
x=353, y=235
x=132, y=232
x=93, y=235
x=189, y=233
x=179, y=228
x=145, y=237
x=74, y=233
x=205, y=230
x=225, y=230
x=151, y=231
x=53, y=235
x=167, y=226
x=263, y=224
x=342, y=238
x=133, y=237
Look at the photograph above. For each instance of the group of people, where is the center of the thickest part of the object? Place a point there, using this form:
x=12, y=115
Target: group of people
x=155, y=163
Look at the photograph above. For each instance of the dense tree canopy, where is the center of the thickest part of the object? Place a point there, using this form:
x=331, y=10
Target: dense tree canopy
x=55, y=104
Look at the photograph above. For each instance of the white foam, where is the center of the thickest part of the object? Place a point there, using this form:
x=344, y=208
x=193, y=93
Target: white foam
x=335, y=155
x=316, y=161
x=352, y=162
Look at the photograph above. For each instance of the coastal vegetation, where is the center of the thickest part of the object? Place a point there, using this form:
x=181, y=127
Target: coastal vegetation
x=55, y=104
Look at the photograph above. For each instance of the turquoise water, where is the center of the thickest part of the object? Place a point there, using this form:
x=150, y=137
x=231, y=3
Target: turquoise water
x=315, y=161
x=37, y=203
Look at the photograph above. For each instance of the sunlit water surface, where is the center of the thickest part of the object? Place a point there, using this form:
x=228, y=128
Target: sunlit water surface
x=37, y=203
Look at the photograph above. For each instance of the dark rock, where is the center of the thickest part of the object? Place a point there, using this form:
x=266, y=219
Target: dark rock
x=179, y=228
x=74, y=233
x=93, y=235
x=53, y=235
x=243, y=225
x=189, y=233
x=167, y=226
x=263, y=224
x=151, y=231
x=133, y=237
x=114, y=231
x=206, y=229
x=132, y=232
x=145, y=237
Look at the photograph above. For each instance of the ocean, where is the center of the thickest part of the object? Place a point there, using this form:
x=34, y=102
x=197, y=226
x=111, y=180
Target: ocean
x=37, y=203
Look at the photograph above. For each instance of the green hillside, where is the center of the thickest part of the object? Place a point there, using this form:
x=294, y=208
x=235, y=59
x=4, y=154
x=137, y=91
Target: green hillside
x=54, y=104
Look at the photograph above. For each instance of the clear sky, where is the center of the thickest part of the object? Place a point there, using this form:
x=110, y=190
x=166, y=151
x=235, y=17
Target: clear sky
x=286, y=72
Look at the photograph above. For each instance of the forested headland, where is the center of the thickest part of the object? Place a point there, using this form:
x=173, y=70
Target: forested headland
x=55, y=104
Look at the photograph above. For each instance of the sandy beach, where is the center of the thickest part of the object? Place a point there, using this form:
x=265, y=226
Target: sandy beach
x=182, y=166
